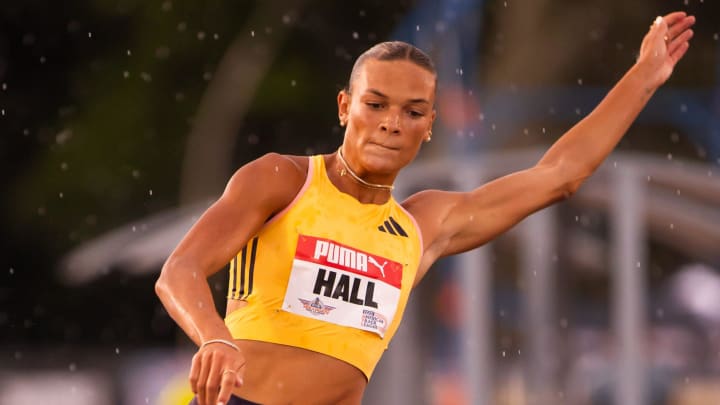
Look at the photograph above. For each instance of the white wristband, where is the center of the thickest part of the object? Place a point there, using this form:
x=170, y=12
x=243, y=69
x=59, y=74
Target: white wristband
x=223, y=341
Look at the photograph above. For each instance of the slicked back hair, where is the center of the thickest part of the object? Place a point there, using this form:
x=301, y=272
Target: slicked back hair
x=389, y=51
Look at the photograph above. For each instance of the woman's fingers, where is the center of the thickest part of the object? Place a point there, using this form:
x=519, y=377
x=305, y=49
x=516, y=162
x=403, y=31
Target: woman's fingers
x=228, y=380
x=679, y=27
x=679, y=41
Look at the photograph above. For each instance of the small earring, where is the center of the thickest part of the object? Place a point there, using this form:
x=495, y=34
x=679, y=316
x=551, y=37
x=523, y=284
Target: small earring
x=429, y=136
x=342, y=122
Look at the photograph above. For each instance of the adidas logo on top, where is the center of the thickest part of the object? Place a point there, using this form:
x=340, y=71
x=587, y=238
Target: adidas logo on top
x=392, y=227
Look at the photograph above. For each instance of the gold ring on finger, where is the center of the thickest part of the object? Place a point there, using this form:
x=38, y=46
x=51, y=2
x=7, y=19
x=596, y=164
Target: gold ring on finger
x=228, y=372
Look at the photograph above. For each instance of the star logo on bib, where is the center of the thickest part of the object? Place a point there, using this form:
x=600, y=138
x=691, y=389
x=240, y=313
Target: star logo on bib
x=316, y=307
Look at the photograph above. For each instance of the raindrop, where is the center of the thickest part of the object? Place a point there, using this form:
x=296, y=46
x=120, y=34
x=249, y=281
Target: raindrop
x=179, y=96
x=128, y=52
x=61, y=195
x=362, y=13
x=577, y=111
x=505, y=4
x=674, y=137
x=659, y=312
x=677, y=191
x=18, y=355
x=543, y=130
x=286, y=19
x=194, y=274
x=637, y=264
x=672, y=226
x=669, y=156
x=577, y=218
x=72, y=367
x=472, y=217
x=525, y=131
x=252, y=34
x=216, y=36
x=42, y=59
x=417, y=28
x=580, y=81
x=276, y=169
x=134, y=228
x=615, y=165
x=150, y=192
x=41, y=211
x=4, y=86
x=89, y=34
x=117, y=350
x=136, y=173
x=355, y=35
x=293, y=83
x=2, y=111
x=200, y=304
x=716, y=36
x=503, y=353
x=201, y=35
x=12, y=271
x=207, y=76
x=181, y=26
x=683, y=108
x=126, y=74
x=649, y=178
x=167, y=6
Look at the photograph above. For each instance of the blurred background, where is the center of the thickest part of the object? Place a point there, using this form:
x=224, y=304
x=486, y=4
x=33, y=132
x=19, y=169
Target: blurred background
x=121, y=120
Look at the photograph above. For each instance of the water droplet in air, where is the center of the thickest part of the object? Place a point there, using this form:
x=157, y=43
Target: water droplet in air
x=126, y=74
x=417, y=28
x=669, y=156
x=201, y=35
x=252, y=34
x=181, y=26
x=12, y=271
x=683, y=108
x=355, y=35
x=167, y=6
x=72, y=367
x=580, y=81
x=293, y=83
x=672, y=226
x=89, y=34
x=150, y=192
x=117, y=350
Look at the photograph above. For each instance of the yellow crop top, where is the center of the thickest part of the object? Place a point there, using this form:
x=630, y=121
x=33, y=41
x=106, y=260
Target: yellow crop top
x=327, y=274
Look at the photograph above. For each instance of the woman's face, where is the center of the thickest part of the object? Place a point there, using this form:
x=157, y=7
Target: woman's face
x=388, y=115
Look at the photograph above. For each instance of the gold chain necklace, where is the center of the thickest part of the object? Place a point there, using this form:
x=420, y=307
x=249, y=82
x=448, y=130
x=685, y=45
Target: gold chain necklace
x=347, y=169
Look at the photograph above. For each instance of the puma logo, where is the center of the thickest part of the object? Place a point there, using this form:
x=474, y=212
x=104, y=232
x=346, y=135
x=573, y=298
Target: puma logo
x=376, y=264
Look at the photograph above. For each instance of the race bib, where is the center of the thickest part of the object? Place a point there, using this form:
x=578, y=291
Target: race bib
x=343, y=285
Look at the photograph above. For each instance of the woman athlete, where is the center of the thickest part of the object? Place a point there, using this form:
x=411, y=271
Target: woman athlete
x=323, y=258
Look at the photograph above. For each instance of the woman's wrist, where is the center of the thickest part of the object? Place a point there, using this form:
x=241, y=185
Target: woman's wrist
x=225, y=342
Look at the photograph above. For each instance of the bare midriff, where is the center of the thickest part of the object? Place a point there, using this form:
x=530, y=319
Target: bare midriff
x=280, y=374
